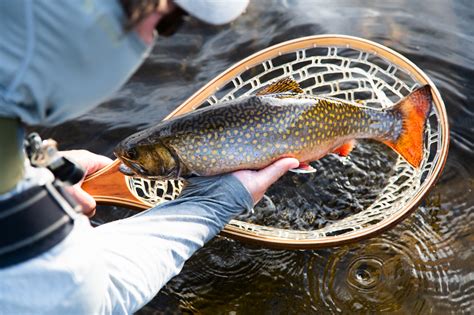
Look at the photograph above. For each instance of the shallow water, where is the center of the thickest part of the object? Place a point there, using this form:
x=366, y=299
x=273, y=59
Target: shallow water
x=422, y=266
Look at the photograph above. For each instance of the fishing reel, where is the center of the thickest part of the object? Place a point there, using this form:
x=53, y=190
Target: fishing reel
x=44, y=153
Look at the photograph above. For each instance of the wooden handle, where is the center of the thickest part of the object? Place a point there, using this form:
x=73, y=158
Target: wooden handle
x=108, y=186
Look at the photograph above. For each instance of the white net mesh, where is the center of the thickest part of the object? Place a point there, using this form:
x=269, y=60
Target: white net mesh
x=153, y=192
x=340, y=72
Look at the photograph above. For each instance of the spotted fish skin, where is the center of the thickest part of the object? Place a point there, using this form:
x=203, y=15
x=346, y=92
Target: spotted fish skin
x=252, y=132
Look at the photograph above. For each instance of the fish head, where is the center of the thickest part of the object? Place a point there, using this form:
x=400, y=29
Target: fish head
x=148, y=160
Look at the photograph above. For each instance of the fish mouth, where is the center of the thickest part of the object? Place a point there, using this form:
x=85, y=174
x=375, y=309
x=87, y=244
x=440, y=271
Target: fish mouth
x=125, y=170
x=129, y=167
x=139, y=172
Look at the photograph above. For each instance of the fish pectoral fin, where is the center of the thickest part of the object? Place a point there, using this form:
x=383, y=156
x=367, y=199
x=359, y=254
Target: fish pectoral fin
x=345, y=149
x=283, y=85
x=303, y=168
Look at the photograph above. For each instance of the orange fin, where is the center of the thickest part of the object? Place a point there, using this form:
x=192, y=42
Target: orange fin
x=303, y=168
x=415, y=109
x=345, y=149
x=283, y=85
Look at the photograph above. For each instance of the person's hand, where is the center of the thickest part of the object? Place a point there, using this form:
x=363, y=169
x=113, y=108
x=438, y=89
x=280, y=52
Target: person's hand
x=257, y=182
x=91, y=162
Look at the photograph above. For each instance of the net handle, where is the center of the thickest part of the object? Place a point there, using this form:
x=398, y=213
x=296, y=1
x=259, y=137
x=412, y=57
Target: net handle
x=108, y=186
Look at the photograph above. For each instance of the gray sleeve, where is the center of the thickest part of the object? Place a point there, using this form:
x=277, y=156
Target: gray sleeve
x=144, y=252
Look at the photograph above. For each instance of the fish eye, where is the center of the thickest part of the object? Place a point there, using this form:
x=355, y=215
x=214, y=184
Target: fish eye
x=132, y=153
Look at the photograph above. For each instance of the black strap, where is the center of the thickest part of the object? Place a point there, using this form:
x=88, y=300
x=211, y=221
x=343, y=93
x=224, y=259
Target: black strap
x=32, y=222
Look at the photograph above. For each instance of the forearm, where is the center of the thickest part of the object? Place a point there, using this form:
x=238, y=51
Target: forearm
x=145, y=251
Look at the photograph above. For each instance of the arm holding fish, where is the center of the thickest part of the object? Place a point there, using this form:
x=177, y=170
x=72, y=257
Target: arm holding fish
x=152, y=246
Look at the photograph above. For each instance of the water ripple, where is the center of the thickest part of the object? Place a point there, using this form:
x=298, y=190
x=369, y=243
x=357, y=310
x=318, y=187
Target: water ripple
x=408, y=270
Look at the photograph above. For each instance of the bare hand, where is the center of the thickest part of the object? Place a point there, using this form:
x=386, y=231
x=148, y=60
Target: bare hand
x=91, y=162
x=257, y=182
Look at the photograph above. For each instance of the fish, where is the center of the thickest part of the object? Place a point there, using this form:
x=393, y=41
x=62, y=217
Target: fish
x=251, y=132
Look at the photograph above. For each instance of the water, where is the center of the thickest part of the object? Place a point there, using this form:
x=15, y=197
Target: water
x=351, y=184
x=422, y=266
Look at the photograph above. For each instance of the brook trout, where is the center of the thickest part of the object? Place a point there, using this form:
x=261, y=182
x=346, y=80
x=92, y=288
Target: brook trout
x=279, y=121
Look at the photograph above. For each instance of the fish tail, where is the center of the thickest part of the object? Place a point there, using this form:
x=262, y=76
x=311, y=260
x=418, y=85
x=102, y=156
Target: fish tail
x=414, y=111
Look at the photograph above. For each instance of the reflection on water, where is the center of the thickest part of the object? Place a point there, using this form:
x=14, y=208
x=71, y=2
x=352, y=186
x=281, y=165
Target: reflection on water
x=422, y=266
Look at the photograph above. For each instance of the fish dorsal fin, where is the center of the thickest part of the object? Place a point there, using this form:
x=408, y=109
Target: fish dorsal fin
x=283, y=85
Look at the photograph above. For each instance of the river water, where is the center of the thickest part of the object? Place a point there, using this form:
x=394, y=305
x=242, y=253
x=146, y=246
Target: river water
x=422, y=266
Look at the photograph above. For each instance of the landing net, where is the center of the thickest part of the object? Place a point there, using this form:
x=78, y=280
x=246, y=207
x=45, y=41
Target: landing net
x=342, y=67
